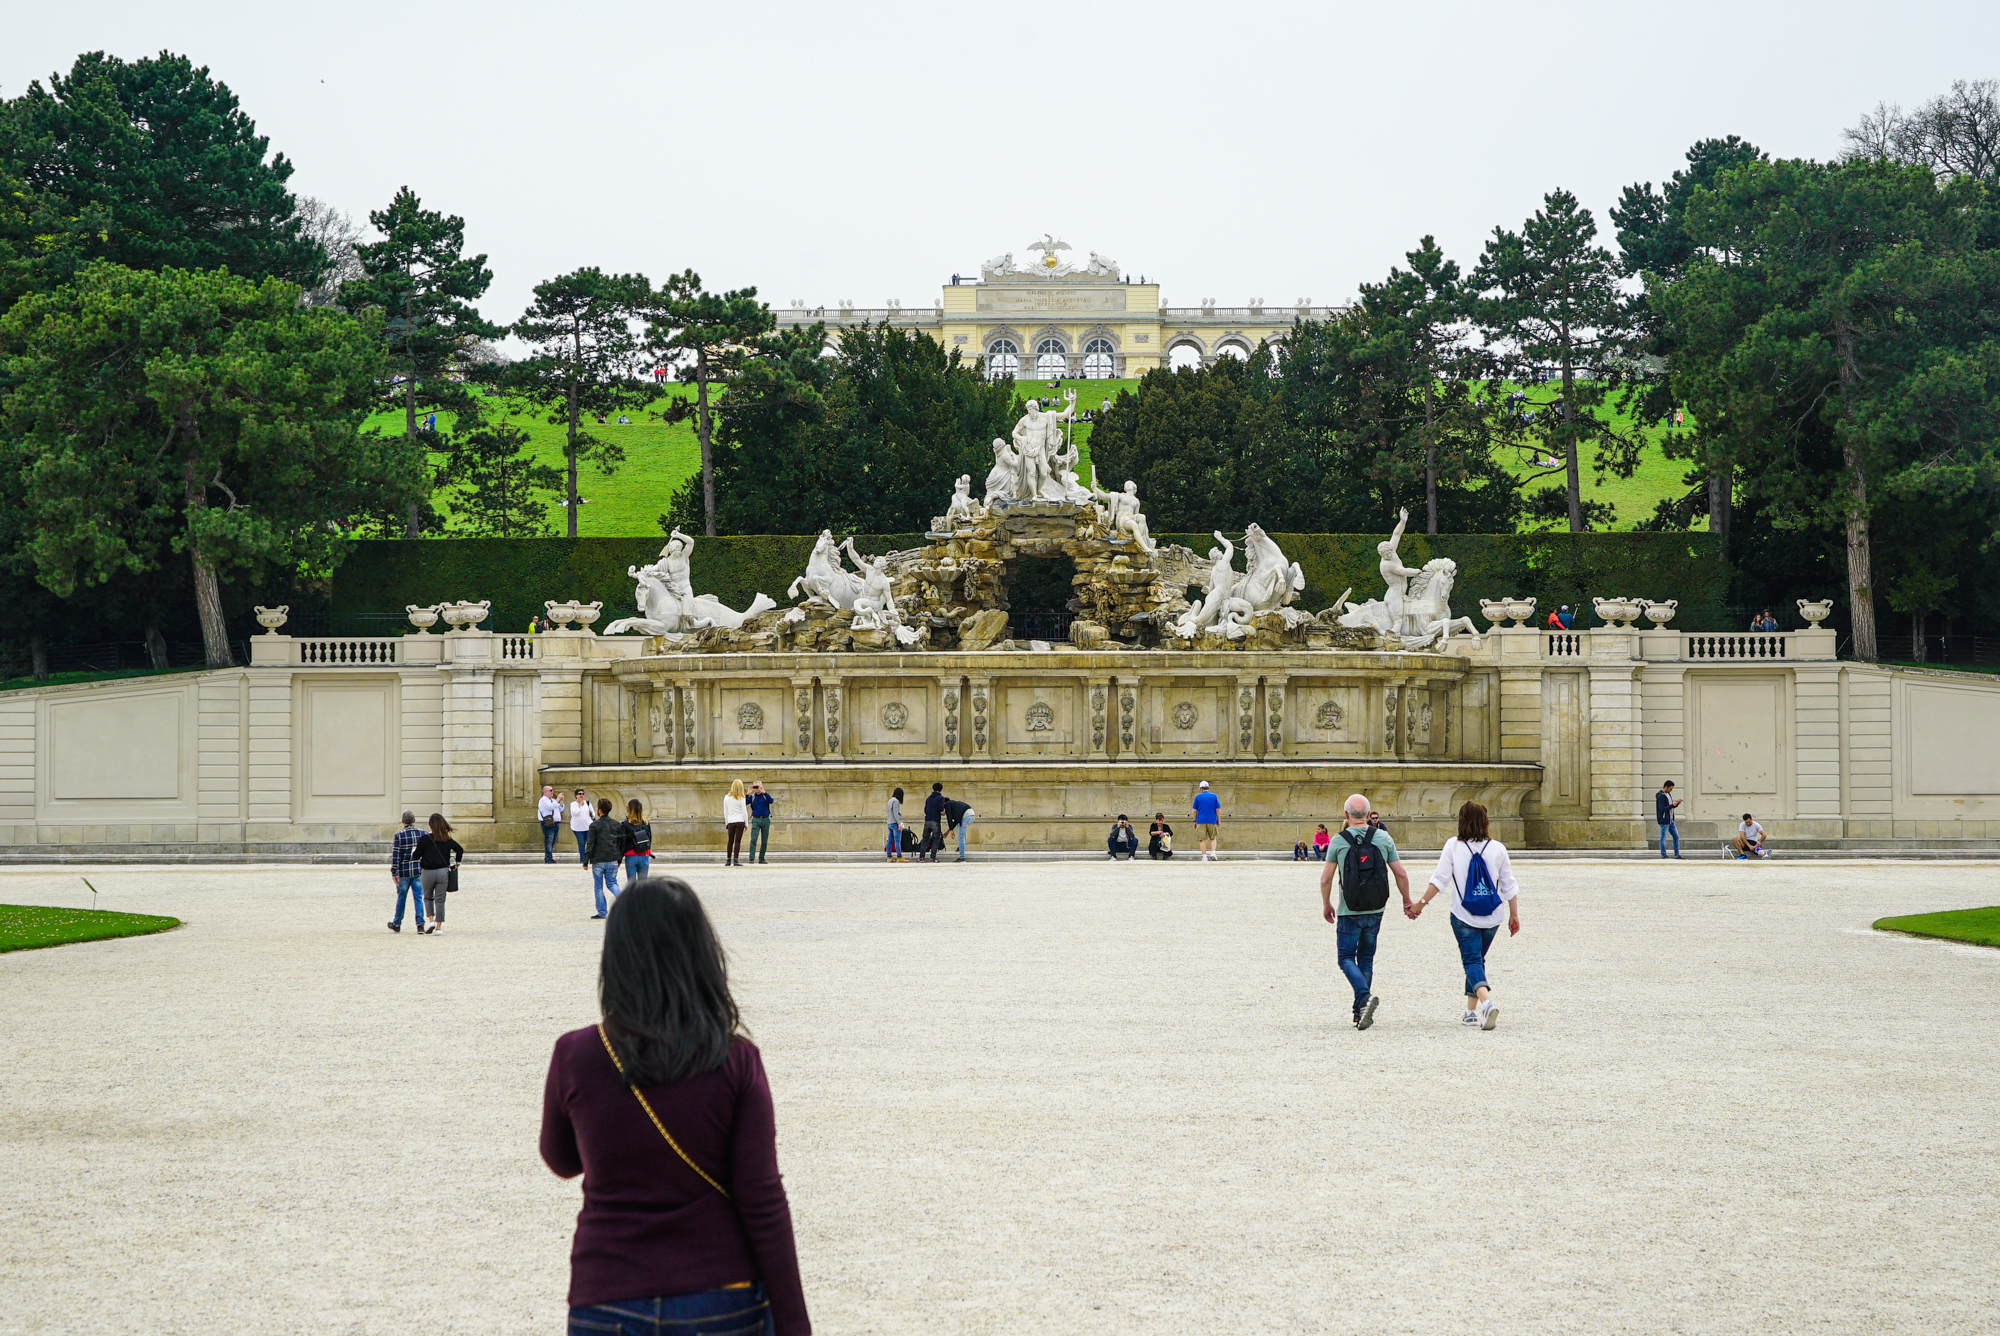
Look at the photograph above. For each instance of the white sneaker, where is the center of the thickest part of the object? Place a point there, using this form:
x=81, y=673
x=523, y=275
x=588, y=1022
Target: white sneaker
x=1469, y=1018
x=1489, y=1014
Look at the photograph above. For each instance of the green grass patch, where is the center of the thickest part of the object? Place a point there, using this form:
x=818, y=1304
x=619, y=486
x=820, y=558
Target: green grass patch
x=27, y=927
x=1981, y=927
x=1635, y=497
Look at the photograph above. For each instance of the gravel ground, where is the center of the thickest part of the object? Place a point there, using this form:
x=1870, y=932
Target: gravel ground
x=1068, y=1098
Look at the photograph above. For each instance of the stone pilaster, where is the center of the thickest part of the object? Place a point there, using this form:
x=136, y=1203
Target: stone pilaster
x=1244, y=742
x=981, y=699
x=950, y=696
x=802, y=717
x=1102, y=700
x=468, y=744
x=1128, y=704
x=1274, y=714
x=831, y=723
x=695, y=738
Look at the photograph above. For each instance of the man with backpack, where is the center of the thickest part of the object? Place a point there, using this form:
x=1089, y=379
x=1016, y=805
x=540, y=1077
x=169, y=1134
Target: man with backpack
x=1364, y=858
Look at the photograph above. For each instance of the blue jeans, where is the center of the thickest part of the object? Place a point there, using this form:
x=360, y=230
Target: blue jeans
x=964, y=824
x=1357, y=933
x=411, y=887
x=604, y=877
x=636, y=866
x=549, y=843
x=582, y=842
x=1676, y=831
x=707, y=1313
x=1472, y=945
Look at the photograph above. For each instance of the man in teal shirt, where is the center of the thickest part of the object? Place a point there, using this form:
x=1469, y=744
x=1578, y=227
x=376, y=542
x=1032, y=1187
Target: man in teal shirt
x=1358, y=929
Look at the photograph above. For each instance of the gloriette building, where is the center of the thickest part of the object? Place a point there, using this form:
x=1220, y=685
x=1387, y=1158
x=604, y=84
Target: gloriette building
x=1051, y=315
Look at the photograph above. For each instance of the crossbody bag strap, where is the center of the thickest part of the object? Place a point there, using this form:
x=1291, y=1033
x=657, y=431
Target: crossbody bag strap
x=685, y=1159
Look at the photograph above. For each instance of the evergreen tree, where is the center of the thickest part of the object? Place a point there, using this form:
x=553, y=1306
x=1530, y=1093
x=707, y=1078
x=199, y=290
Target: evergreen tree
x=705, y=336
x=1551, y=303
x=1197, y=442
x=162, y=165
x=423, y=282
x=502, y=490
x=862, y=442
x=1842, y=326
x=585, y=362
x=145, y=414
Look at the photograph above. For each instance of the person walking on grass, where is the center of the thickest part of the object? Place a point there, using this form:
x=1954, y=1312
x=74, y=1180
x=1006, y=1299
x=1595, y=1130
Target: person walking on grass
x=1207, y=822
x=549, y=811
x=1481, y=880
x=1364, y=858
x=666, y=1112
x=760, y=822
x=438, y=855
x=580, y=816
x=958, y=816
x=604, y=846
x=1664, y=804
x=406, y=873
x=638, y=842
x=735, y=820
x=894, y=847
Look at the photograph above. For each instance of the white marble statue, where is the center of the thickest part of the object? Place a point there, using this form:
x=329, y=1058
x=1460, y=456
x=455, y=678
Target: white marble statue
x=875, y=607
x=1219, y=606
x=1121, y=514
x=1004, y=476
x=1040, y=453
x=1416, y=610
x=825, y=578
x=1270, y=582
x=963, y=509
x=1101, y=266
x=667, y=602
x=1000, y=266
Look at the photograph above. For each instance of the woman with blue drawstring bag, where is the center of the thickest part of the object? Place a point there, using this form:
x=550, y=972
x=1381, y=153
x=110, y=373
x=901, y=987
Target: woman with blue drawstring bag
x=1474, y=871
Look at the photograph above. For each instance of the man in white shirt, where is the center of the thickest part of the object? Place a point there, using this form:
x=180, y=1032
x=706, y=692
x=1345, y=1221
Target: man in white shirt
x=1749, y=839
x=549, y=812
x=581, y=814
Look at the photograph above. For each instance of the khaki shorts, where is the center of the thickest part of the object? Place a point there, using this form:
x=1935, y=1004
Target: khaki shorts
x=1204, y=831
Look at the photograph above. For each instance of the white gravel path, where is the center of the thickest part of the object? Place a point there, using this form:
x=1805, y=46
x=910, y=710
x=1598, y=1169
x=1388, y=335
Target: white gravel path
x=1067, y=1098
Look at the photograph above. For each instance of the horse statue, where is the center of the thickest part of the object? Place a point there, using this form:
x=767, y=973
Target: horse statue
x=666, y=601
x=1271, y=582
x=825, y=578
x=1426, y=611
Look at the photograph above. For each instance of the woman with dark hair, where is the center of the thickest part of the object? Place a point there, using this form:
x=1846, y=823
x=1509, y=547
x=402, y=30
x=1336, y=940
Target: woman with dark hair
x=665, y=1111
x=638, y=841
x=1481, y=878
x=894, y=846
x=437, y=855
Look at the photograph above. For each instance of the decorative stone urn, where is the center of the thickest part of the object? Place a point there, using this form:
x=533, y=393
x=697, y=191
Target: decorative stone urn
x=1617, y=611
x=464, y=616
x=273, y=618
x=586, y=613
x=1522, y=610
x=1496, y=610
x=1815, y=612
x=562, y=614
x=1662, y=611
x=422, y=618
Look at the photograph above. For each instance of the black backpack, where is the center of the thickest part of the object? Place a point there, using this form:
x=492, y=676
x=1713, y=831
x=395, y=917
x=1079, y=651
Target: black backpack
x=1364, y=876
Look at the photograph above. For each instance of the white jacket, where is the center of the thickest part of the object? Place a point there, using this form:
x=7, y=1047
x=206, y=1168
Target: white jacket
x=1454, y=863
x=734, y=809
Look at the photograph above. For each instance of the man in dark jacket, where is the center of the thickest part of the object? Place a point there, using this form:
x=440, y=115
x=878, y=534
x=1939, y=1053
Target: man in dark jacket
x=933, y=824
x=1664, y=804
x=760, y=822
x=603, y=849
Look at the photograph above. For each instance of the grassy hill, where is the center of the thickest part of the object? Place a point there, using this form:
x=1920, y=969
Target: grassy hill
x=659, y=457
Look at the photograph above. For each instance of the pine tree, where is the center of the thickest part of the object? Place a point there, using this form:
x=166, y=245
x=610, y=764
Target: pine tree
x=704, y=335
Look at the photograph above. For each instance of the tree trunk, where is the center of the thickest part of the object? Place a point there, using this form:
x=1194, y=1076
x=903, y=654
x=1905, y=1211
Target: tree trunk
x=208, y=601
x=1860, y=563
x=1721, y=502
x=1573, y=482
x=38, y=656
x=1430, y=461
x=156, y=648
x=701, y=431
x=410, y=527
x=1917, y=636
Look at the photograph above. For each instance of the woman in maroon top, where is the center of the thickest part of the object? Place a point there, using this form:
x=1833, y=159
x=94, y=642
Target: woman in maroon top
x=684, y=1226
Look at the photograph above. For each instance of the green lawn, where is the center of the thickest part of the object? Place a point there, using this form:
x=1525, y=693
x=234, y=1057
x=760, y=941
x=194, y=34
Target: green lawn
x=26, y=927
x=1978, y=926
x=1658, y=477
x=660, y=457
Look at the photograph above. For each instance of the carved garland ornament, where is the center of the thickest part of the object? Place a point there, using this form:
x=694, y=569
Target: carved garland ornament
x=1125, y=703
x=1246, y=720
x=979, y=718
x=833, y=719
x=802, y=703
x=1097, y=697
x=1276, y=724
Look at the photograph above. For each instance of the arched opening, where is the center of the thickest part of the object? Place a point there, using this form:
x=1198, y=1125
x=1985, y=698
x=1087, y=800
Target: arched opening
x=1003, y=359
x=1235, y=350
x=1051, y=360
x=1099, y=361
x=1039, y=590
x=1184, y=357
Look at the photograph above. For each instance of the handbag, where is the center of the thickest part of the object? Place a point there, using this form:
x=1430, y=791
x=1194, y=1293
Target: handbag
x=451, y=882
x=641, y=1097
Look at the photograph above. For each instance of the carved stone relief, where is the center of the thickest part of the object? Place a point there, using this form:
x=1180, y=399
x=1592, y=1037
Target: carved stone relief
x=750, y=717
x=895, y=716
x=1041, y=717
x=1327, y=716
x=802, y=706
x=1186, y=716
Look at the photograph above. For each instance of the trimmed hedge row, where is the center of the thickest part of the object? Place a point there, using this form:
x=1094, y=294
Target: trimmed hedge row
x=379, y=578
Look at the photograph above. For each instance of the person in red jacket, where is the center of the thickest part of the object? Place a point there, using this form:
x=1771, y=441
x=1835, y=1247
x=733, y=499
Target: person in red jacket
x=665, y=1111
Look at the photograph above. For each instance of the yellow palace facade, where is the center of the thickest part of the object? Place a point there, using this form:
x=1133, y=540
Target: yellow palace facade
x=1054, y=316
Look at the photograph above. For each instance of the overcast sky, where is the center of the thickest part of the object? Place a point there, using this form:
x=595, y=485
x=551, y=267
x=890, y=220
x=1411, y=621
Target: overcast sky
x=867, y=150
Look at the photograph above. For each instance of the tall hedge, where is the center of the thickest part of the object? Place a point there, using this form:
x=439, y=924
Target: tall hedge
x=379, y=578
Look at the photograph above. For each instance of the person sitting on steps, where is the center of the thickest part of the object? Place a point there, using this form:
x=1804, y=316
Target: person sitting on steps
x=1124, y=841
x=1749, y=840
